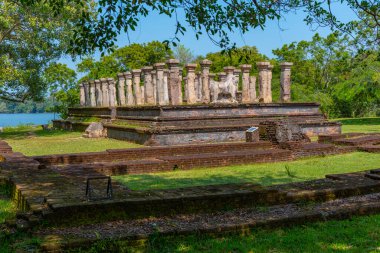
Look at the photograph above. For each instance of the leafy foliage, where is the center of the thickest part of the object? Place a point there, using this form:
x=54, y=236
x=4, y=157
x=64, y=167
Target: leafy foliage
x=335, y=73
x=124, y=59
x=31, y=37
x=214, y=18
x=63, y=87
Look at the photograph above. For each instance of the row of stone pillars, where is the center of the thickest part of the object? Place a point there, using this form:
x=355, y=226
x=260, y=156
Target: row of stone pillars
x=160, y=86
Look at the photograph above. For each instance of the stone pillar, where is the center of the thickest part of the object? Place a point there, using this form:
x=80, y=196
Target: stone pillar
x=166, y=86
x=214, y=87
x=148, y=85
x=269, y=84
x=154, y=84
x=82, y=95
x=128, y=84
x=112, y=90
x=175, y=89
x=92, y=94
x=105, y=92
x=252, y=89
x=222, y=76
x=263, y=81
x=190, y=84
x=198, y=87
x=136, y=73
x=246, y=83
x=285, y=81
x=86, y=93
x=161, y=98
x=237, y=78
x=98, y=93
x=205, y=66
x=121, y=88
x=231, y=79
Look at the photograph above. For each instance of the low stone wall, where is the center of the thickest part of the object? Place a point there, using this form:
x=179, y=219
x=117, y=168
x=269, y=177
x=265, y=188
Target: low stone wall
x=148, y=152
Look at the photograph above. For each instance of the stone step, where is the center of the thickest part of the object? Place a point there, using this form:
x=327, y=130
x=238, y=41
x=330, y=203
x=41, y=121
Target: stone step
x=170, y=163
x=357, y=141
x=235, y=221
x=148, y=152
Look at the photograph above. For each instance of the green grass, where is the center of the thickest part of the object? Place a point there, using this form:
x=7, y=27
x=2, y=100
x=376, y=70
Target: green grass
x=35, y=141
x=266, y=173
x=361, y=125
x=7, y=208
x=361, y=234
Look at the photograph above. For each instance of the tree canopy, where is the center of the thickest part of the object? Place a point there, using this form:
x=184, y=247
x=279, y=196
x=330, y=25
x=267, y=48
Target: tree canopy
x=123, y=59
x=215, y=18
x=30, y=39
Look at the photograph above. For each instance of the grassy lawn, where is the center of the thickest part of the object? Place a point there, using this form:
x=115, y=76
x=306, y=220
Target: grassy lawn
x=7, y=208
x=361, y=125
x=34, y=141
x=360, y=234
x=266, y=173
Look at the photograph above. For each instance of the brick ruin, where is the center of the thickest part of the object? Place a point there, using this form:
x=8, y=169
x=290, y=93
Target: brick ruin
x=51, y=190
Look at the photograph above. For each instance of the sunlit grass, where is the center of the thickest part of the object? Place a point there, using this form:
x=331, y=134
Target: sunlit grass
x=7, y=208
x=360, y=125
x=266, y=173
x=34, y=141
x=360, y=234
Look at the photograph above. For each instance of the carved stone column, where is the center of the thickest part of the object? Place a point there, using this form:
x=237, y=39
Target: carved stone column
x=136, y=73
x=252, y=89
x=82, y=100
x=121, y=88
x=105, y=91
x=98, y=93
x=214, y=88
x=166, y=86
x=263, y=81
x=148, y=85
x=246, y=83
x=175, y=89
x=205, y=66
x=237, y=78
x=269, y=85
x=231, y=79
x=190, y=84
x=198, y=87
x=92, y=93
x=86, y=86
x=154, y=84
x=222, y=76
x=161, y=97
x=285, y=95
x=112, y=91
x=128, y=84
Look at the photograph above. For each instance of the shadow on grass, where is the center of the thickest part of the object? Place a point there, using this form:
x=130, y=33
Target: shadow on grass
x=359, y=121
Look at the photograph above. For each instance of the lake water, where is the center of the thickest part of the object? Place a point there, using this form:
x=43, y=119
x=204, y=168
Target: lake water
x=16, y=119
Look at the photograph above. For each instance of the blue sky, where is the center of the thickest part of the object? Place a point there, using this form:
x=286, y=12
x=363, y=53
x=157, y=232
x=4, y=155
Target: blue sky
x=276, y=33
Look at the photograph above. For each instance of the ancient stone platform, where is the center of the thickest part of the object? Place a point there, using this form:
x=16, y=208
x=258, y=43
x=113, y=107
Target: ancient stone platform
x=185, y=124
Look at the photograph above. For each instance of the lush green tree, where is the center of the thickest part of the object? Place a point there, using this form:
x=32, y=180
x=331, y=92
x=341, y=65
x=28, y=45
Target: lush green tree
x=124, y=59
x=213, y=17
x=63, y=87
x=183, y=54
x=236, y=57
x=334, y=72
x=31, y=37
